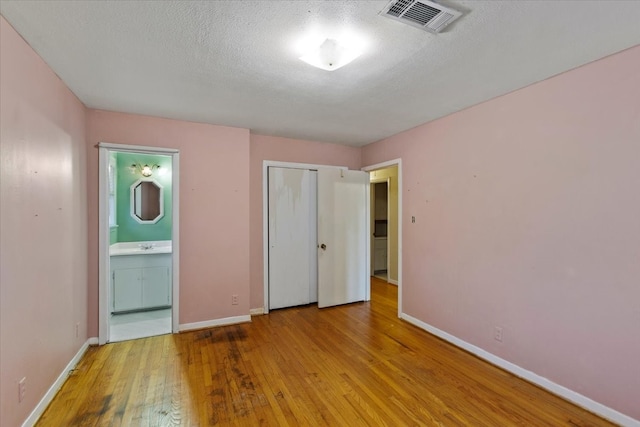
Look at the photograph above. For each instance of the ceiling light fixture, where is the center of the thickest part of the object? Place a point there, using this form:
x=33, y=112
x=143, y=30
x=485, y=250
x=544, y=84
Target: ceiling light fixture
x=330, y=55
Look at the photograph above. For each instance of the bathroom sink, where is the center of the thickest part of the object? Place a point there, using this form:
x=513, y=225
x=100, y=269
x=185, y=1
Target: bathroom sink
x=140, y=248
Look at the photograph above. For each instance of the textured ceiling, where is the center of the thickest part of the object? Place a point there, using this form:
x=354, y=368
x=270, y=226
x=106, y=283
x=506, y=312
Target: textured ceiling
x=236, y=63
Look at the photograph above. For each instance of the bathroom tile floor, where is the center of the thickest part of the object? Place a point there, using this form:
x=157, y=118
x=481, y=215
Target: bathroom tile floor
x=142, y=324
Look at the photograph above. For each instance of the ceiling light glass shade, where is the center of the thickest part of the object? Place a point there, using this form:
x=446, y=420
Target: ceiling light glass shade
x=330, y=55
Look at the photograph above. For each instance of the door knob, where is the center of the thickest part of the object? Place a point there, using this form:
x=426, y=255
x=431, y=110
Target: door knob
x=323, y=247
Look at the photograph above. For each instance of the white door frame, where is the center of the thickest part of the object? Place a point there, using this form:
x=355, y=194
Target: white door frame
x=383, y=165
x=104, y=267
x=266, y=164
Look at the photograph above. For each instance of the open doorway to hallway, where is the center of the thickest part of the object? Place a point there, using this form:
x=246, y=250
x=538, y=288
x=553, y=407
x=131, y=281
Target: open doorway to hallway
x=380, y=227
x=386, y=223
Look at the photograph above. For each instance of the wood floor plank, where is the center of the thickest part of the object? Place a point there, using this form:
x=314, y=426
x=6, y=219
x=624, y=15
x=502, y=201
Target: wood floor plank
x=353, y=365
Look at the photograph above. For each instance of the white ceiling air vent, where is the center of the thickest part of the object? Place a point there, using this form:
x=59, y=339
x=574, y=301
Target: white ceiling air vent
x=423, y=14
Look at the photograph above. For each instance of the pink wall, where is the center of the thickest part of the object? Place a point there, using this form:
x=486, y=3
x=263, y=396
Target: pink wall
x=43, y=226
x=528, y=217
x=527, y=211
x=214, y=209
x=284, y=150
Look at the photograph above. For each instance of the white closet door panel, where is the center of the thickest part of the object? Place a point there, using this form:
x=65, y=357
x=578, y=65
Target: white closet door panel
x=289, y=237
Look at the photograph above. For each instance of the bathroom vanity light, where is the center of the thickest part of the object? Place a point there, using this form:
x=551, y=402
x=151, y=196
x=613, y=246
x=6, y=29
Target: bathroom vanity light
x=145, y=170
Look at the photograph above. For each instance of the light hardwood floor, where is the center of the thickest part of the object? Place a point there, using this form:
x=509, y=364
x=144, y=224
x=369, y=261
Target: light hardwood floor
x=354, y=365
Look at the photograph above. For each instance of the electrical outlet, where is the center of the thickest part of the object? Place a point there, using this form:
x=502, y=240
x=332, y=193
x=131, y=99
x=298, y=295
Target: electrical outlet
x=413, y=219
x=497, y=333
x=78, y=330
x=22, y=389
x=234, y=300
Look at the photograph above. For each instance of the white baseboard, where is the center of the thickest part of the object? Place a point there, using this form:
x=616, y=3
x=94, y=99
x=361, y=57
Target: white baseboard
x=393, y=282
x=93, y=341
x=256, y=311
x=212, y=323
x=55, y=387
x=570, y=395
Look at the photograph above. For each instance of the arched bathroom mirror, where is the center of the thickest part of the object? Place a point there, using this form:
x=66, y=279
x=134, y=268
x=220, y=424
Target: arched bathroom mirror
x=147, y=205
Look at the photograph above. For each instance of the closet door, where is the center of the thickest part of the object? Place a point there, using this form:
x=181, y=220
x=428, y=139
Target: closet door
x=343, y=236
x=291, y=237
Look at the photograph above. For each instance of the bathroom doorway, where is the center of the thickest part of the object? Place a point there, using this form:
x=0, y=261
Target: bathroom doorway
x=138, y=287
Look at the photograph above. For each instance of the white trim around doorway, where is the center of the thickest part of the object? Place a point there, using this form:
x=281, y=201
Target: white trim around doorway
x=371, y=168
x=104, y=278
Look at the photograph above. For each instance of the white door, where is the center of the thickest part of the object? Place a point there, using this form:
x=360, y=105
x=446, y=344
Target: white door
x=292, y=256
x=343, y=231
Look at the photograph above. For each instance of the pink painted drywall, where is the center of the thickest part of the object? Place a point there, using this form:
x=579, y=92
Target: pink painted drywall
x=528, y=217
x=284, y=150
x=214, y=209
x=43, y=226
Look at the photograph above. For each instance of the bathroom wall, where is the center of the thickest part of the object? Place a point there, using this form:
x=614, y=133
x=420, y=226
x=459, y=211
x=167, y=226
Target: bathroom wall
x=43, y=227
x=113, y=235
x=130, y=230
x=527, y=215
x=113, y=196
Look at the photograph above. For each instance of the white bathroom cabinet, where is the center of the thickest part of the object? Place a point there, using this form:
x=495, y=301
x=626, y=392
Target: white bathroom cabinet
x=140, y=282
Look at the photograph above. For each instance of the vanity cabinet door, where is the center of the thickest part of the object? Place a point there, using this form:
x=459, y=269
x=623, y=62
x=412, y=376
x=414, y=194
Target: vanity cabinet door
x=155, y=287
x=141, y=282
x=127, y=289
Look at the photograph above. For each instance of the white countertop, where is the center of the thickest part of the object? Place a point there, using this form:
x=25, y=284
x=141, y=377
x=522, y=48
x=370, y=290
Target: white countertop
x=140, y=248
